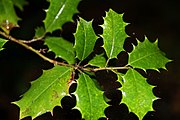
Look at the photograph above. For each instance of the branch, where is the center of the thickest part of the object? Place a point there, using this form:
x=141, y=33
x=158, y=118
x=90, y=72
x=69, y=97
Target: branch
x=105, y=68
x=33, y=40
x=20, y=42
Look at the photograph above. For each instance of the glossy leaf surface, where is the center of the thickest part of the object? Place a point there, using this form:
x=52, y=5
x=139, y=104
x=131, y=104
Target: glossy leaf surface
x=45, y=93
x=90, y=99
x=113, y=33
x=85, y=39
x=147, y=55
x=59, y=12
x=62, y=48
x=137, y=93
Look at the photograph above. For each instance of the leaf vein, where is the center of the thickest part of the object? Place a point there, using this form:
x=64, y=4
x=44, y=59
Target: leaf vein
x=49, y=86
x=84, y=49
x=143, y=57
x=89, y=95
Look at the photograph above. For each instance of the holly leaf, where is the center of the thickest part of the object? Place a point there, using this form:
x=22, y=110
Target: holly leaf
x=90, y=99
x=59, y=12
x=98, y=60
x=113, y=33
x=45, y=93
x=137, y=93
x=7, y=13
x=2, y=42
x=62, y=48
x=20, y=3
x=85, y=39
x=39, y=32
x=147, y=55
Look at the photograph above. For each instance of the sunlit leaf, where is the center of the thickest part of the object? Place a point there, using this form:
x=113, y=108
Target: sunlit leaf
x=63, y=48
x=90, y=99
x=113, y=33
x=85, y=39
x=137, y=93
x=59, y=12
x=147, y=55
x=45, y=93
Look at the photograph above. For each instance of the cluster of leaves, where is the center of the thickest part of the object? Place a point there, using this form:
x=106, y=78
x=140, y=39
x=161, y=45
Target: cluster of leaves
x=46, y=92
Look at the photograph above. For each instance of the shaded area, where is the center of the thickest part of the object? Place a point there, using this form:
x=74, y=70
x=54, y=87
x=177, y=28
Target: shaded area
x=155, y=19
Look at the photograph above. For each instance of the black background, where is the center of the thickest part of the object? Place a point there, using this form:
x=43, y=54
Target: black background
x=153, y=18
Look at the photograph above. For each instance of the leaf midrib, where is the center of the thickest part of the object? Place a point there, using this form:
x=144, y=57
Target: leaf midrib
x=84, y=48
x=142, y=57
x=57, y=14
x=89, y=95
x=112, y=47
x=48, y=87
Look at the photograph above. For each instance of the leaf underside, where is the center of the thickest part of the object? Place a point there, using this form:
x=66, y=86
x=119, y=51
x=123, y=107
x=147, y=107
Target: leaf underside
x=147, y=55
x=90, y=99
x=45, y=93
x=85, y=39
x=137, y=93
x=59, y=12
x=62, y=48
x=2, y=42
x=113, y=33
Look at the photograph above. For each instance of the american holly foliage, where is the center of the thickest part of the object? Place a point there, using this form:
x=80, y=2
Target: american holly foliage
x=47, y=91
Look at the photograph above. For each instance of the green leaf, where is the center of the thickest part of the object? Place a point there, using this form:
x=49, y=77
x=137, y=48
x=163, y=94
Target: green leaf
x=62, y=48
x=45, y=93
x=2, y=42
x=59, y=12
x=85, y=39
x=20, y=3
x=7, y=13
x=147, y=55
x=137, y=93
x=39, y=32
x=90, y=99
x=113, y=34
x=98, y=60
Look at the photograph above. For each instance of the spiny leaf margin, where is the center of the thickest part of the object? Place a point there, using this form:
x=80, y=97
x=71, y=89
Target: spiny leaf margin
x=7, y=13
x=45, y=93
x=113, y=33
x=137, y=93
x=147, y=55
x=59, y=12
x=85, y=39
x=90, y=99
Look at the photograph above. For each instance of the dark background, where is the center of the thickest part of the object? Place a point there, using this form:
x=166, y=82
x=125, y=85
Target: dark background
x=153, y=18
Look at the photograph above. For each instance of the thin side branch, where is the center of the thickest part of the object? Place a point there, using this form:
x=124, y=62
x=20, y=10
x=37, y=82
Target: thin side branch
x=33, y=40
x=105, y=68
x=34, y=50
x=23, y=43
